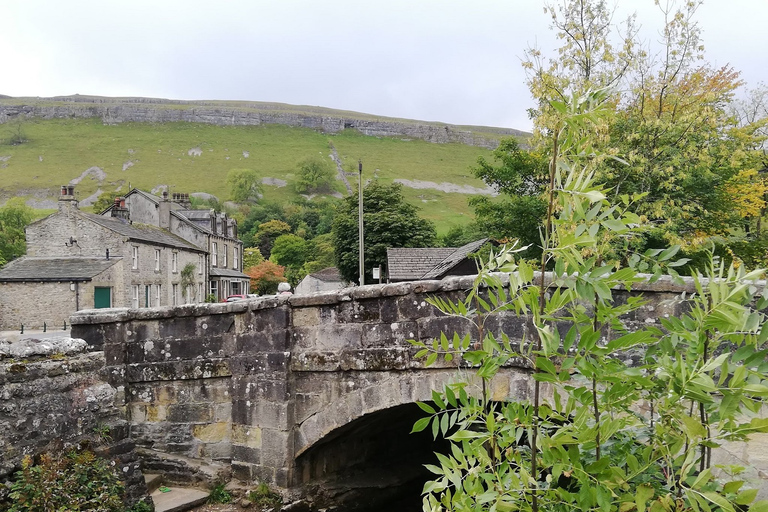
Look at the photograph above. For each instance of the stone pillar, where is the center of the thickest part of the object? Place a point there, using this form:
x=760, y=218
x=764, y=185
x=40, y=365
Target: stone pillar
x=262, y=409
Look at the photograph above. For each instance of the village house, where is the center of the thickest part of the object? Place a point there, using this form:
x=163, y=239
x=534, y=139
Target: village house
x=206, y=229
x=123, y=258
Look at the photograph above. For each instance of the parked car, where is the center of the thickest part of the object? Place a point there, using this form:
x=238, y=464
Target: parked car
x=234, y=298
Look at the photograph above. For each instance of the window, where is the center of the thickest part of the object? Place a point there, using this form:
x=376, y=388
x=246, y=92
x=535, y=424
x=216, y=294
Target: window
x=174, y=262
x=235, y=287
x=157, y=295
x=157, y=260
x=224, y=264
x=214, y=256
x=135, y=258
x=235, y=258
x=215, y=290
x=175, y=293
x=135, y=299
x=200, y=264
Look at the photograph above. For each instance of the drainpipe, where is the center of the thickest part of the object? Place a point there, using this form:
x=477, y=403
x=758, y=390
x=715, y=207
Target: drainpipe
x=77, y=296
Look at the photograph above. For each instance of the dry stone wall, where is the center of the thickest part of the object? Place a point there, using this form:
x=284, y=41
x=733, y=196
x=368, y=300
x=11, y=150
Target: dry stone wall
x=55, y=404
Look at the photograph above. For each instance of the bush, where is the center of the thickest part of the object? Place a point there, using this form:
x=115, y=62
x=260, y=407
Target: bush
x=219, y=494
x=75, y=481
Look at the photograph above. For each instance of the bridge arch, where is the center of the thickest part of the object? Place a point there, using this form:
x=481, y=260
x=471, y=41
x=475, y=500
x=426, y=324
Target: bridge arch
x=323, y=409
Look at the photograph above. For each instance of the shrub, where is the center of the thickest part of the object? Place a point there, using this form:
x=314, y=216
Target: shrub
x=74, y=481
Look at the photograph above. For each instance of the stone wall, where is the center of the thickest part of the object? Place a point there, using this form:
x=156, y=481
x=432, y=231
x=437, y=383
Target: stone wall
x=121, y=110
x=54, y=404
x=51, y=303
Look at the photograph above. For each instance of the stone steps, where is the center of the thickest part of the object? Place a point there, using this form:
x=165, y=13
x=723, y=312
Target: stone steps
x=178, y=499
x=173, y=499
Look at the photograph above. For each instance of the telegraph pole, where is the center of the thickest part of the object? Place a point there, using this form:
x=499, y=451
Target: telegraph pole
x=361, y=251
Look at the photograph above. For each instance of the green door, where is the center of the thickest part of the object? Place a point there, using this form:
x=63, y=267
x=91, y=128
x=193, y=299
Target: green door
x=102, y=297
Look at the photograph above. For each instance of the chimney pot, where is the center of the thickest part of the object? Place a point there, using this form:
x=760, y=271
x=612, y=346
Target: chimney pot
x=63, y=190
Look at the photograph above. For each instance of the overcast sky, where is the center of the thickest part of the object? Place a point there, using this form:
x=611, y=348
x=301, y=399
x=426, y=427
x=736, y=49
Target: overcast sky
x=455, y=61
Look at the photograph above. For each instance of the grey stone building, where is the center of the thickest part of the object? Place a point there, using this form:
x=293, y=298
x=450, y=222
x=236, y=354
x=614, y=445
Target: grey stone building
x=77, y=260
x=213, y=232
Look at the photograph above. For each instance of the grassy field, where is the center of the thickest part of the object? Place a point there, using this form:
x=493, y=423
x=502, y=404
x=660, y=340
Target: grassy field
x=191, y=157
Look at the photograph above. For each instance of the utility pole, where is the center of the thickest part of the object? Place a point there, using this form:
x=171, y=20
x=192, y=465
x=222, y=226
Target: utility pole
x=361, y=251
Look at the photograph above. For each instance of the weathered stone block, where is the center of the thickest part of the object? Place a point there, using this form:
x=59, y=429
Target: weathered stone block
x=246, y=435
x=212, y=432
x=246, y=454
x=188, y=413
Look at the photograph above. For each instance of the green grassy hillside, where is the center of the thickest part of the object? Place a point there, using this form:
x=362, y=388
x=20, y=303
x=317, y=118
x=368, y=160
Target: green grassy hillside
x=191, y=157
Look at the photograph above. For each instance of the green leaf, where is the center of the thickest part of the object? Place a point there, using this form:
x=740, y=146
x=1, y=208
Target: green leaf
x=614, y=225
x=545, y=365
x=759, y=506
x=421, y=424
x=746, y=497
x=643, y=492
x=426, y=407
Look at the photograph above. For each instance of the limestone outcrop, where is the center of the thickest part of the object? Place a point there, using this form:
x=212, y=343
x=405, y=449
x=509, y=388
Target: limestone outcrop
x=151, y=110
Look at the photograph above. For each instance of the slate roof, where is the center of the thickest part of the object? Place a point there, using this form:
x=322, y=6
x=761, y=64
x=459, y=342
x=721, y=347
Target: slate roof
x=411, y=264
x=55, y=269
x=227, y=272
x=454, y=259
x=330, y=274
x=142, y=232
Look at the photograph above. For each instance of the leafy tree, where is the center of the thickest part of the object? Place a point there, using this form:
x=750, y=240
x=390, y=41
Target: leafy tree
x=290, y=251
x=14, y=217
x=314, y=175
x=319, y=254
x=251, y=257
x=104, y=201
x=266, y=234
x=265, y=277
x=671, y=115
x=244, y=185
x=514, y=217
x=389, y=221
x=188, y=281
x=590, y=446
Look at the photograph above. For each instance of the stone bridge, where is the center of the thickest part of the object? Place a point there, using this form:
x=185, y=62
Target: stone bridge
x=297, y=390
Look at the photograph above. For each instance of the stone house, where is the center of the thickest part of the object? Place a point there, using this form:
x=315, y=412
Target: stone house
x=325, y=280
x=213, y=232
x=77, y=260
x=415, y=264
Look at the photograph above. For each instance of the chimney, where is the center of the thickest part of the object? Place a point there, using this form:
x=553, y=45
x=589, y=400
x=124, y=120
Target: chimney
x=164, y=211
x=67, y=201
x=119, y=210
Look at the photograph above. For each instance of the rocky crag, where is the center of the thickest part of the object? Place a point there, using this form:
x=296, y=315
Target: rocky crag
x=233, y=113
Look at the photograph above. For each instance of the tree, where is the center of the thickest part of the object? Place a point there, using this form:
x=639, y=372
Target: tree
x=188, y=281
x=670, y=119
x=265, y=277
x=595, y=446
x=521, y=176
x=244, y=185
x=290, y=251
x=14, y=217
x=389, y=221
x=266, y=234
x=314, y=175
x=104, y=201
x=251, y=256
